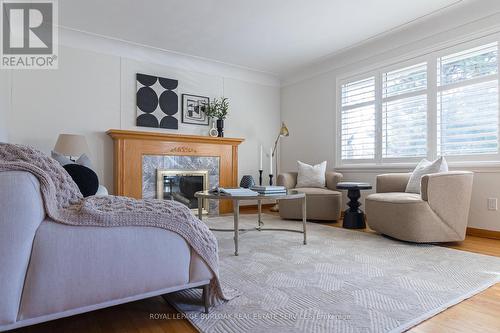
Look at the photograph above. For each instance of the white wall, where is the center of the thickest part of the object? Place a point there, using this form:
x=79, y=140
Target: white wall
x=4, y=103
x=94, y=90
x=82, y=97
x=308, y=98
x=254, y=108
x=307, y=109
x=256, y=118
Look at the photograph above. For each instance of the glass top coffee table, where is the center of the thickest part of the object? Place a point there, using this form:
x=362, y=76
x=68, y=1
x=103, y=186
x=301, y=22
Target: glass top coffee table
x=291, y=194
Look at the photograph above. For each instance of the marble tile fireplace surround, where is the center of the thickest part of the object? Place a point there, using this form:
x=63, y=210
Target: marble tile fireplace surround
x=139, y=155
x=153, y=165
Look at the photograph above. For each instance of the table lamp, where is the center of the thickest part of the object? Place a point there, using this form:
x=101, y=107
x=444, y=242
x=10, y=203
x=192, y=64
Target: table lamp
x=71, y=145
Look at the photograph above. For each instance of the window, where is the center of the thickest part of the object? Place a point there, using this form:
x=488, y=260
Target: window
x=445, y=104
x=404, y=112
x=468, y=102
x=358, y=120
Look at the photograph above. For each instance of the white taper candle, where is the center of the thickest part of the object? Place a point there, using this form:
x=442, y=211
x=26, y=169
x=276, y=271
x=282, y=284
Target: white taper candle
x=271, y=161
x=260, y=160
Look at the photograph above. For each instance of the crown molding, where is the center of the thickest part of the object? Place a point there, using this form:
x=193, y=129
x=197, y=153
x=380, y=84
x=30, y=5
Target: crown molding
x=438, y=31
x=125, y=49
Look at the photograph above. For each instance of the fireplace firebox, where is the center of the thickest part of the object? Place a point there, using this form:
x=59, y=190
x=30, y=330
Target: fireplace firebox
x=181, y=185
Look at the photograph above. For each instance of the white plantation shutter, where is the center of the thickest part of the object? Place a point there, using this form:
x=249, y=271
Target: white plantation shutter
x=404, y=112
x=358, y=120
x=468, y=102
x=444, y=103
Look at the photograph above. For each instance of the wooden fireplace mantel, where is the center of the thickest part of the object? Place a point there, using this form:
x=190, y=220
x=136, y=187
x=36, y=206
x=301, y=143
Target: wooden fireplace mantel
x=131, y=146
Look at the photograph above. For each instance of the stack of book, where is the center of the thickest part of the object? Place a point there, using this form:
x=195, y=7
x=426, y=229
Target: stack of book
x=240, y=192
x=269, y=190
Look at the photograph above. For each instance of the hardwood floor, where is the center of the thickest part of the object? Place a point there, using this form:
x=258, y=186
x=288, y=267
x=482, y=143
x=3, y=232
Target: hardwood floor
x=481, y=313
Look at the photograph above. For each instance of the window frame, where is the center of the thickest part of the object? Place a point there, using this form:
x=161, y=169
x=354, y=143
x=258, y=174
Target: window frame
x=377, y=71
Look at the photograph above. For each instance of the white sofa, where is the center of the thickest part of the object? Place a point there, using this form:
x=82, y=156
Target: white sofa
x=49, y=270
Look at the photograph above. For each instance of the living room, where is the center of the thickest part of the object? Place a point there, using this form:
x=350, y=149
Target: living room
x=221, y=166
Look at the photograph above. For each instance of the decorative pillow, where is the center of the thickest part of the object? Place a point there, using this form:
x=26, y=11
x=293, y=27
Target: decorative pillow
x=63, y=160
x=311, y=176
x=85, y=161
x=424, y=168
x=86, y=179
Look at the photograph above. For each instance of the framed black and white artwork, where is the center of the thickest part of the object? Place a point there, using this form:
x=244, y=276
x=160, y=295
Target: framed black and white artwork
x=157, y=102
x=193, y=109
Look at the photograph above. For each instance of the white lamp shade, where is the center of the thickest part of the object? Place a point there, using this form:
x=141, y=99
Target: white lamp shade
x=71, y=145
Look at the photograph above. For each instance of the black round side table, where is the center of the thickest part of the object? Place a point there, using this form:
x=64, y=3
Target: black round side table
x=354, y=218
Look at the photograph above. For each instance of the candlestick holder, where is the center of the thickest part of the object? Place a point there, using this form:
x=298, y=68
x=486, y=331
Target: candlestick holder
x=271, y=180
x=260, y=177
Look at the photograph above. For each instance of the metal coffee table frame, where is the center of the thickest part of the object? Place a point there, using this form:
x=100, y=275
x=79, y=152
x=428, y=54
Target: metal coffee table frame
x=290, y=195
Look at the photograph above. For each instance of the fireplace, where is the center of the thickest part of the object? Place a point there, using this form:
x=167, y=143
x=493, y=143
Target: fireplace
x=181, y=185
x=138, y=156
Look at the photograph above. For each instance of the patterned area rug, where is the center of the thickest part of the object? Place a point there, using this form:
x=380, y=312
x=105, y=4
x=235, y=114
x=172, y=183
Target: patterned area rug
x=342, y=281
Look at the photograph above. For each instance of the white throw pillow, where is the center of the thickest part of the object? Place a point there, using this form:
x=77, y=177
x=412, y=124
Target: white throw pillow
x=311, y=176
x=85, y=161
x=63, y=160
x=82, y=160
x=424, y=168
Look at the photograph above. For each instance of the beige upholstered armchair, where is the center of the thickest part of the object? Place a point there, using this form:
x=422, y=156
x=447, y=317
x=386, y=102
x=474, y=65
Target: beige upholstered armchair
x=438, y=214
x=323, y=204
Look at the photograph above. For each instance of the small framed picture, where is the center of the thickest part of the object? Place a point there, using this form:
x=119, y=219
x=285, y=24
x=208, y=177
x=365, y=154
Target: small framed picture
x=193, y=109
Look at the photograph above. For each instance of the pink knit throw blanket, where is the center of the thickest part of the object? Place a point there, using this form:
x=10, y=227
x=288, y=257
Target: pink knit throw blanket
x=64, y=204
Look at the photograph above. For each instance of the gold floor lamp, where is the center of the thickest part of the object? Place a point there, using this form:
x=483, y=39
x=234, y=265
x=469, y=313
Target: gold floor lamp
x=283, y=133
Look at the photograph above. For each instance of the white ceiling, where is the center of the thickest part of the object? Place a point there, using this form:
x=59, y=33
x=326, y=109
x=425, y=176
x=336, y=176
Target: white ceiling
x=274, y=36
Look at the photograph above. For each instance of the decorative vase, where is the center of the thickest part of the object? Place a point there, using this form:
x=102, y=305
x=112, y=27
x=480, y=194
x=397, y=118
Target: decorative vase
x=247, y=181
x=213, y=131
x=220, y=127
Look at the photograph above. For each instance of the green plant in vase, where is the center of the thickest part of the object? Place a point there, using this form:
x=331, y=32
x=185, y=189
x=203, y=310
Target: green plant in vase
x=218, y=109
